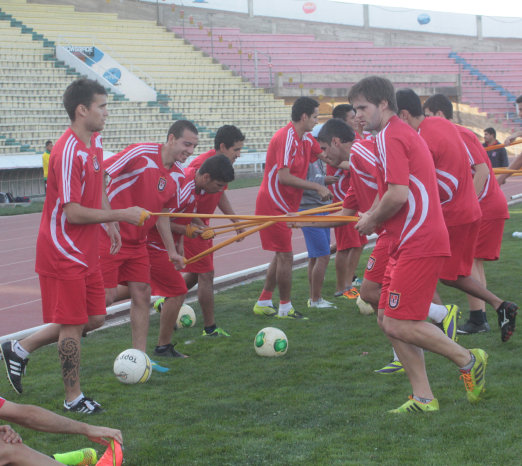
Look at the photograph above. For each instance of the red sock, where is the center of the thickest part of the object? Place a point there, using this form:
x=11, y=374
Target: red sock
x=265, y=295
x=284, y=302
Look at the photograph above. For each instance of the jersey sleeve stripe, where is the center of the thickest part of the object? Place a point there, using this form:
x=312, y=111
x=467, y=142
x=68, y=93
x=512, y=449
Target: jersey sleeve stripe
x=67, y=164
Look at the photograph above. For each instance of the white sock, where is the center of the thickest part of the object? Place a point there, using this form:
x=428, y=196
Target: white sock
x=437, y=312
x=18, y=349
x=76, y=400
x=395, y=357
x=265, y=303
x=285, y=308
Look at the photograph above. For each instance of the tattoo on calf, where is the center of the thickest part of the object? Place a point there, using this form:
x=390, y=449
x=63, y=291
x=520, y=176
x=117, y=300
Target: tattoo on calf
x=69, y=352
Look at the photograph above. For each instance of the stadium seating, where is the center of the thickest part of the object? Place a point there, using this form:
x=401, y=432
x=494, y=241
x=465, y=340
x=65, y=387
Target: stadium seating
x=491, y=81
x=280, y=54
x=191, y=85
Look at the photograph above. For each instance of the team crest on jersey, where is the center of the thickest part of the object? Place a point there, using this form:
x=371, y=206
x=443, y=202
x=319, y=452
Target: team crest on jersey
x=95, y=163
x=394, y=300
x=371, y=263
x=162, y=182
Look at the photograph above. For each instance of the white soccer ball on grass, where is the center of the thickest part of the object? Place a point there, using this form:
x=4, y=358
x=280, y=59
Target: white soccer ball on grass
x=132, y=366
x=271, y=342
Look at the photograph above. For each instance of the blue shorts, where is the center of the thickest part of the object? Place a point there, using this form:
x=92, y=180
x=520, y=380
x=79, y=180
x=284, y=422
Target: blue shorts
x=317, y=240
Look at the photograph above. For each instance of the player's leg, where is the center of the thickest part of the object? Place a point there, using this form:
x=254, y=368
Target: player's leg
x=317, y=280
x=139, y=313
x=19, y=454
x=477, y=322
x=206, y=297
x=285, y=261
x=370, y=292
x=341, y=275
x=191, y=279
x=168, y=317
x=69, y=353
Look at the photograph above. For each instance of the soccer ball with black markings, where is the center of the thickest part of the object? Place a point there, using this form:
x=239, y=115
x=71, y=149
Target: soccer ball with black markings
x=132, y=366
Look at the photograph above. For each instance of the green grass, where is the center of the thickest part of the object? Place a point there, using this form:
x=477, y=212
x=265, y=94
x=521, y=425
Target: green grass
x=320, y=404
x=246, y=182
x=31, y=208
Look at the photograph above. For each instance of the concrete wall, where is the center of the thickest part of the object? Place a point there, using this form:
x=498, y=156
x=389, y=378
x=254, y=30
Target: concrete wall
x=169, y=16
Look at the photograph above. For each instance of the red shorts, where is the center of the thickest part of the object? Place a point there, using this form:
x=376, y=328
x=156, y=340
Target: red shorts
x=347, y=237
x=378, y=259
x=165, y=280
x=192, y=247
x=277, y=238
x=71, y=302
x=408, y=286
x=131, y=264
x=463, y=239
x=489, y=239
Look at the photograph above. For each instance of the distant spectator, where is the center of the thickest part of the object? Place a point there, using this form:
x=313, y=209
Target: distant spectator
x=498, y=157
x=517, y=163
x=45, y=161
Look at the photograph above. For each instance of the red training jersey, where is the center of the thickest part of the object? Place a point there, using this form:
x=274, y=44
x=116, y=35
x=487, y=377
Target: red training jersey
x=363, y=178
x=418, y=228
x=66, y=250
x=184, y=201
x=452, y=165
x=285, y=150
x=139, y=178
x=492, y=200
x=206, y=203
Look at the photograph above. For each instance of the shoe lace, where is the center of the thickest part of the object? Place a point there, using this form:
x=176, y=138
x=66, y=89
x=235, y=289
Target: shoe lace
x=468, y=381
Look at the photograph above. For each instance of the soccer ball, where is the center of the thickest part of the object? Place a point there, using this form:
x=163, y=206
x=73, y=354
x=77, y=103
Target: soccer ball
x=364, y=308
x=132, y=366
x=271, y=342
x=186, y=317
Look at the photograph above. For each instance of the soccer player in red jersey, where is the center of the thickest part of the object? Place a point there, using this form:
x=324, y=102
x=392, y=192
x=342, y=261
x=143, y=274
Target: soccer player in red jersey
x=361, y=196
x=493, y=205
x=289, y=153
x=151, y=173
x=211, y=177
x=67, y=259
x=459, y=202
x=409, y=209
x=229, y=141
x=349, y=244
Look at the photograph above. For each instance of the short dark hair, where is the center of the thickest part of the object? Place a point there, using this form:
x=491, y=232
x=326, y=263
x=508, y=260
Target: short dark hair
x=439, y=102
x=303, y=105
x=179, y=126
x=408, y=100
x=342, y=110
x=81, y=92
x=219, y=167
x=48, y=142
x=228, y=135
x=336, y=128
x=519, y=99
x=375, y=89
x=491, y=131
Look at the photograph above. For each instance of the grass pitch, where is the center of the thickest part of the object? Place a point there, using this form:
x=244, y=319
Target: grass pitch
x=320, y=404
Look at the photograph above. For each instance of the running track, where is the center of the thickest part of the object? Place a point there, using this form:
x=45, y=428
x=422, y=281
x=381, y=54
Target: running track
x=20, y=306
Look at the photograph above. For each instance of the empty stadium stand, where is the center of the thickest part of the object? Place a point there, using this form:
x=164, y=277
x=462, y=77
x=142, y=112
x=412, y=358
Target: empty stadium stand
x=189, y=84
